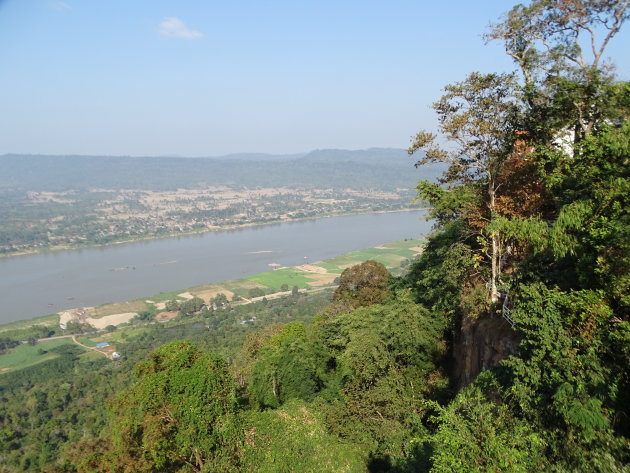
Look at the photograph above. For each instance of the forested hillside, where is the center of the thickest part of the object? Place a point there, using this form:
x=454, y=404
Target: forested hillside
x=322, y=169
x=531, y=247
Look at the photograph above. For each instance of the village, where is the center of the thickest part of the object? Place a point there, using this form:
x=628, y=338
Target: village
x=102, y=216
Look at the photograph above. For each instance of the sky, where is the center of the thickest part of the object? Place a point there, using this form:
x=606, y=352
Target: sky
x=211, y=77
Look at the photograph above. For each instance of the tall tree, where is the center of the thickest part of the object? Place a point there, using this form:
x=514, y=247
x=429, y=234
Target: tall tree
x=553, y=41
x=478, y=117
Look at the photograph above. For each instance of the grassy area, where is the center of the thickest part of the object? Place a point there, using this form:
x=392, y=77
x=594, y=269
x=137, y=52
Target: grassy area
x=242, y=286
x=23, y=356
x=165, y=296
x=276, y=278
x=330, y=267
x=404, y=244
x=47, y=320
x=86, y=341
x=118, y=335
x=389, y=257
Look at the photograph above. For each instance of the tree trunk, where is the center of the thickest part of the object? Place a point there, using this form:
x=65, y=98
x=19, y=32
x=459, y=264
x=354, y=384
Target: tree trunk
x=494, y=256
x=495, y=247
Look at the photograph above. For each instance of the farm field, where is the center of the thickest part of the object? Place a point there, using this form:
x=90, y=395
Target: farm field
x=26, y=355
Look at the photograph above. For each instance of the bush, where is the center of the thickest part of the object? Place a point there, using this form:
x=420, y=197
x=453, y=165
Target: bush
x=256, y=292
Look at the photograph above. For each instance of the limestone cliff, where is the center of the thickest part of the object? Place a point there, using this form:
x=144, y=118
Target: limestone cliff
x=482, y=343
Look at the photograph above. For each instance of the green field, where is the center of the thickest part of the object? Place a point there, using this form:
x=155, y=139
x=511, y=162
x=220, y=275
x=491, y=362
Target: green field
x=86, y=341
x=241, y=286
x=405, y=244
x=276, y=278
x=330, y=267
x=47, y=320
x=27, y=355
x=166, y=296
x=389, y=257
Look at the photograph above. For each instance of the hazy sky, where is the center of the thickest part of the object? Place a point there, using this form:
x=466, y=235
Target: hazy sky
x=211, y=77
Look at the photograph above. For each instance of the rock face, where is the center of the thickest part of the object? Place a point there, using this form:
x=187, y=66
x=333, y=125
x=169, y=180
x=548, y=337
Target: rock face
x=482, y=343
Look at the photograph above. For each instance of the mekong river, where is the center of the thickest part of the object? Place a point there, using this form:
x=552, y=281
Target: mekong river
x=44, y=283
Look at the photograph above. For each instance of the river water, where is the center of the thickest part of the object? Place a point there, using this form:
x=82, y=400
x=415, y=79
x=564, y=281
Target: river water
x=39, y=284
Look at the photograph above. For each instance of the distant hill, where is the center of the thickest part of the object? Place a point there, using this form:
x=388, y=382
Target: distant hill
x=260, y=156
x=373, y=168
x=374, y=156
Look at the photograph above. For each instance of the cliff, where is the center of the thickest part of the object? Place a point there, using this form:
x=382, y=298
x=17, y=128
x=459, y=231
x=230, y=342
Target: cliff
x=482, y=343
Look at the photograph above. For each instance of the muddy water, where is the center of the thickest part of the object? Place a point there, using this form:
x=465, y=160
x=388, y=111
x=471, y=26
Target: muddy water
x=44, y=283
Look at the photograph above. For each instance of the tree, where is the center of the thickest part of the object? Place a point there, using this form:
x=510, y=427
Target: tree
x=191, y=306
x=559, y=47
x=256, y=292
x=362, y=285
x=546, y=36
x=479, y=116
x=220, y=300
x=171, y=305
x=286, y=368
x=295, y=439
x=477, y=434
x=385, y=360
x=179, y=414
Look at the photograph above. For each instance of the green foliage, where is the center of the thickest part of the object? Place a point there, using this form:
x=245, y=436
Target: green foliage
x=532, y=231
x=171, y=305
x=144, y=315
x=362, y=285
x=34, y=331
x=180, y=412
x=6, y=344
x=476, y=434
x=446, y=204
x=256, y=292
x=54, y=411
x=438, y=276
x=385, y=360
x=287, y=367
x=295, y=439
x=191, y=306
x=564, y=379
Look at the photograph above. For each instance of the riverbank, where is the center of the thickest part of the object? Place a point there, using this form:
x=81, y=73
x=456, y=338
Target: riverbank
x=44, y=283
x=192, y=232
x=102, y=321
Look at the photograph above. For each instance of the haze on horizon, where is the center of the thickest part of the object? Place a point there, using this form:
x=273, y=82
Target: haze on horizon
x=162, y=77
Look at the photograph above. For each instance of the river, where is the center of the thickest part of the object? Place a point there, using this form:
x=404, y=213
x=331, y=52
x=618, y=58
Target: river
x=44, y=283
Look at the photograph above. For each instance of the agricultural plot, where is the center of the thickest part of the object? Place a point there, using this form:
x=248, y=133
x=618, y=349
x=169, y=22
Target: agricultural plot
x=390, y=257
x=24, y=356
x=241, y=287
x=289, y=276
x=46, y=320
x=405, y=244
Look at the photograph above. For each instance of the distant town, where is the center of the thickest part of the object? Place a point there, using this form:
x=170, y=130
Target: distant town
x=72, y=218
